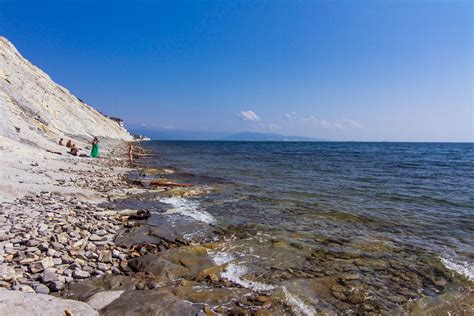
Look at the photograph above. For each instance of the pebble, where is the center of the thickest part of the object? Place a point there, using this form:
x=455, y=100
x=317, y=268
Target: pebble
x=26, y=289
x=47, y=241
x=42, y=289
x=80, y=274
x=56, y=286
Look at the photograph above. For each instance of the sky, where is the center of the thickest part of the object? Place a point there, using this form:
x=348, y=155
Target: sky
x=342, y=70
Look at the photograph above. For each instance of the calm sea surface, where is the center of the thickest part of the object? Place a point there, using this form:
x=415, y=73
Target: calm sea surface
x=405, y=200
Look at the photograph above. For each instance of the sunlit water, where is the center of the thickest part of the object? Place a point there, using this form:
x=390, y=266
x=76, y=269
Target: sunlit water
x=400, y=201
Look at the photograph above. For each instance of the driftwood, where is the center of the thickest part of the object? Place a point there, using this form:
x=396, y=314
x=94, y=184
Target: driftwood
x=160, y=183
x=54, y=152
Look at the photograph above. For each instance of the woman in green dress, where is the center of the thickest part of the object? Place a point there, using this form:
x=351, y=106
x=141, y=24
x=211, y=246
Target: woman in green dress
x=95, y=148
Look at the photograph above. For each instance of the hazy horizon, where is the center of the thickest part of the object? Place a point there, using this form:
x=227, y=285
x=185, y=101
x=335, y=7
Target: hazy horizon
x=365, y=71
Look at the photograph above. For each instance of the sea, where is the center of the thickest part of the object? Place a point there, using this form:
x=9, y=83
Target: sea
x=392, y=213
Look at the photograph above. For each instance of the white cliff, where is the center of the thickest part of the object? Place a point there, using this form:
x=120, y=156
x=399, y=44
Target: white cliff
x=35, y=110
x=35, y=113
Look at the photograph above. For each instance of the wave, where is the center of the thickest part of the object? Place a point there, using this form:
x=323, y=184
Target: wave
x=234, y=272
x=461, y=267
x=188, y=208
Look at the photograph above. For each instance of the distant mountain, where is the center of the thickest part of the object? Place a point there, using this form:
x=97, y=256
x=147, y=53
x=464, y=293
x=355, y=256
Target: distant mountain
x=259, y=137
x=167, y=134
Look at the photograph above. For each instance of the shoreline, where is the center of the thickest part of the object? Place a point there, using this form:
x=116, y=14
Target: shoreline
x=50, y=238
x=103, y=253
x=88, y=256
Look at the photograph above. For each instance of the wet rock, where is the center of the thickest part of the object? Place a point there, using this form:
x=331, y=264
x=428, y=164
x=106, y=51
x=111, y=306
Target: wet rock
x=160, y=268
x=84, y=289
x=337, y=288
x=398, y=299
x=356, y=296
x=262, y=298
x=208, y=311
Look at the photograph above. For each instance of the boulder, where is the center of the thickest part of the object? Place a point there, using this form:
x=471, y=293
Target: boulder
x=14, y=303
x=102, y=299
x=150, y=302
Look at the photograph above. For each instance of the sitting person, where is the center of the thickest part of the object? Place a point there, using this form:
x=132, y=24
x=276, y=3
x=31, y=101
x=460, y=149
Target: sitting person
x=69, y=144
x=61, y=142
x=74, y=150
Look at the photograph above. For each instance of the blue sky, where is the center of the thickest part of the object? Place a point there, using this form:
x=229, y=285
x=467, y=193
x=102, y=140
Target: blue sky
x=343, y=70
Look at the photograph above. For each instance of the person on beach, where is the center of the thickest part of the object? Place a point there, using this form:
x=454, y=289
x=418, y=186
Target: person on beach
x=61, y=142
x=130, y=154
x=74, y=150
x=69, y=144
x=95, y=148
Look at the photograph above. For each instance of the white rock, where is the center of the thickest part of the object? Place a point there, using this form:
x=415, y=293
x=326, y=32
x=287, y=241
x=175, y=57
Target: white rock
x=7, y=273
x=102, y=299
x=13, y=303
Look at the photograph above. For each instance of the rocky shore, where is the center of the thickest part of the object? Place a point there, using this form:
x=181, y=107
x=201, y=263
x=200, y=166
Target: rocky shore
x=109, y=256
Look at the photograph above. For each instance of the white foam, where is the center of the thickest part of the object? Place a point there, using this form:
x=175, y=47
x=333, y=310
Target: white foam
x=220, y=257
x=461, y=267
x=187, y=208
x=299, y=307
x=234, y=273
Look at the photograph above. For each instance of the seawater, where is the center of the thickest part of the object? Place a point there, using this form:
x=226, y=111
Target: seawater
x=402, y=200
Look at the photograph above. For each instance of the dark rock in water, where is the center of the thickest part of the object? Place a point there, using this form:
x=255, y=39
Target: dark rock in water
x=356, y=296
x=150, y=302
x=140, y=215
x=160, y=268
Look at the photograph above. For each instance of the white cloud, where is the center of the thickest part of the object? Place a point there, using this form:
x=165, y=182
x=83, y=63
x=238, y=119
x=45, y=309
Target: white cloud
x=344, y=124
x=249, y=116
x=290, y=116
x=351, y=123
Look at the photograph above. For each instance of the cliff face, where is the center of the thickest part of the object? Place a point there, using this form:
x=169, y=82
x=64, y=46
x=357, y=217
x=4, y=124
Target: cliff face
x=34, y=110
